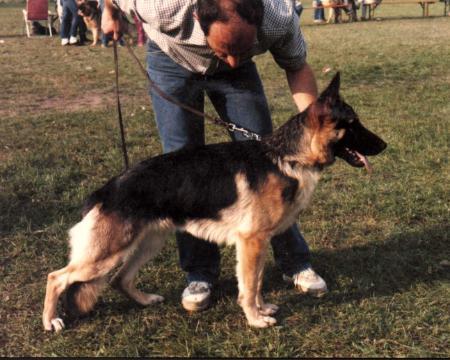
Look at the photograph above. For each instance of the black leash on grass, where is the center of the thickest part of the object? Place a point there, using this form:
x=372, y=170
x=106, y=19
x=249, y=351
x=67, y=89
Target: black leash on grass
x=119, y=109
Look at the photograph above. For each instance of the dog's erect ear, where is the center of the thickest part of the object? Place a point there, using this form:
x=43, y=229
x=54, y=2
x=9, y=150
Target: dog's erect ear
x=332, y=91
x=321, y=108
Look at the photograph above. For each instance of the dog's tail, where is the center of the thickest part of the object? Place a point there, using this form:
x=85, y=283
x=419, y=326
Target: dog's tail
x=80, y=298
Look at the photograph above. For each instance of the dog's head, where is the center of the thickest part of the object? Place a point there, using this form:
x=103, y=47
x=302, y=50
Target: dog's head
x=87, y=8
x=337, y=130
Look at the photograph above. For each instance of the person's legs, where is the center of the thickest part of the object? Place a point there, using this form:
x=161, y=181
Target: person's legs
x=105, y=39
x=290, y=251
x=72, y=7
x=82, y=30
x=238, y=96
x=179, y=128
x=319, y=14
x=363, y=10
x=65, y=22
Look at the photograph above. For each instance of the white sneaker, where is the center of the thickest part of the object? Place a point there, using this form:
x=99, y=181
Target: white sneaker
x=309, y=282
x=64, y=42
x=196, y=296
x=73, y=40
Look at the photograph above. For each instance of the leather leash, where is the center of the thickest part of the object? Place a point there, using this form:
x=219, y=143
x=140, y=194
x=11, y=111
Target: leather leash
x=119, y=108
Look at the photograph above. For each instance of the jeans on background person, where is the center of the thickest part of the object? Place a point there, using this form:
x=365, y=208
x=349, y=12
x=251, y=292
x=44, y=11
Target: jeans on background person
x=319, y=14
x=238, y=97
x=70, y=19
x=82, y=30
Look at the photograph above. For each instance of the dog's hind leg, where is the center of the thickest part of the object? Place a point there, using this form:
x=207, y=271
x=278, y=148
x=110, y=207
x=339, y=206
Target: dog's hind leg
x=250, y=253
x=60, y=280
x=98, y=244
x=124, y=279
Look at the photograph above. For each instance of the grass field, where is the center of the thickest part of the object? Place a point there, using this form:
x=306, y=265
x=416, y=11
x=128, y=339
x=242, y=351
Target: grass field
x=380, y=241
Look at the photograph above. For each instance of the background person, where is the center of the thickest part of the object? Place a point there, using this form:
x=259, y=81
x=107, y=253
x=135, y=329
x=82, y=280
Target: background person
x=206, y=46
x=319, y=12
x=69, y=22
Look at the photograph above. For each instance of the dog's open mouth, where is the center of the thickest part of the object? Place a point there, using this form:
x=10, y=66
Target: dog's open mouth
x=354, y=158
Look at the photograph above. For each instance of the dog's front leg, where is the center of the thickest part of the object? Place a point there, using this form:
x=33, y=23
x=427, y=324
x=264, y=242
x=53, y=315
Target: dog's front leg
x=250, y=252
x=263, y=307
x=94, y=36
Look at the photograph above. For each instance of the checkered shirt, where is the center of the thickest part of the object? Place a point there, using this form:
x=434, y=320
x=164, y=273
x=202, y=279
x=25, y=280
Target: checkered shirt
x=171, y=25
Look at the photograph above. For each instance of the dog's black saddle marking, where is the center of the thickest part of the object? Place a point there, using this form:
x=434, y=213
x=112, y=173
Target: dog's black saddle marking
x=192, y=183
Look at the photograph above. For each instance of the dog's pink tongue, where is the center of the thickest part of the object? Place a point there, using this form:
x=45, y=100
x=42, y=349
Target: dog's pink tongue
x=365, y=162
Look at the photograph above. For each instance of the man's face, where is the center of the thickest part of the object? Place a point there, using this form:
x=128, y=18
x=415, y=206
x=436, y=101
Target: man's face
x=232, y=40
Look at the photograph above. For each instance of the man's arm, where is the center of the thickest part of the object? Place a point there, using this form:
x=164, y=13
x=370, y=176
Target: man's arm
x=303, y=86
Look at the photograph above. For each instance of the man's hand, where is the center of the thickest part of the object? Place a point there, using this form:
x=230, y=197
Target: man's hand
x=112, y=21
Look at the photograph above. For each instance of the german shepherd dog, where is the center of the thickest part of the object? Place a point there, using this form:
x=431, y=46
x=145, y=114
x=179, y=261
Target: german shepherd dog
x=240, y=193
x=91, y=14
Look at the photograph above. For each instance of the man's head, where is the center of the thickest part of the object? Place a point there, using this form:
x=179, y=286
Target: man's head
x=230, y=26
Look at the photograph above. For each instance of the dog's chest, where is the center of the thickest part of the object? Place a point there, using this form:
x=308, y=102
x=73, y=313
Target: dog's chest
x=307, y=181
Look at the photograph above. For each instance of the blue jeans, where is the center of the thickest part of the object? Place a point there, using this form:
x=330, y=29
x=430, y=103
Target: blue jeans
x=70, y=19
x=238, y=96
x=319, y=14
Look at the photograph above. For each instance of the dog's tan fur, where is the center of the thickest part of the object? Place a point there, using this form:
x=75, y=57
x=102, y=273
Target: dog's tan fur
x=94, y=26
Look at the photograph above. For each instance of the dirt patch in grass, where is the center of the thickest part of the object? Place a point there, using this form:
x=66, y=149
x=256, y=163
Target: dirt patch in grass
x=38, y=104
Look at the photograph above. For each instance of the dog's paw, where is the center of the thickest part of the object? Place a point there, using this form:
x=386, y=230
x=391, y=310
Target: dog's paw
x=149, y=299
x=262, y=321
x=268, y=309
x=55, y=324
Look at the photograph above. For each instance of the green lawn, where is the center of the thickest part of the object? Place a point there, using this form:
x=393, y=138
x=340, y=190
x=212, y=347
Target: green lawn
x=380, y=241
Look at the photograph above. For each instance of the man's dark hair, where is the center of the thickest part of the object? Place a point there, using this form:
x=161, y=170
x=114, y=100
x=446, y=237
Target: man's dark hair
x=210, y=11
